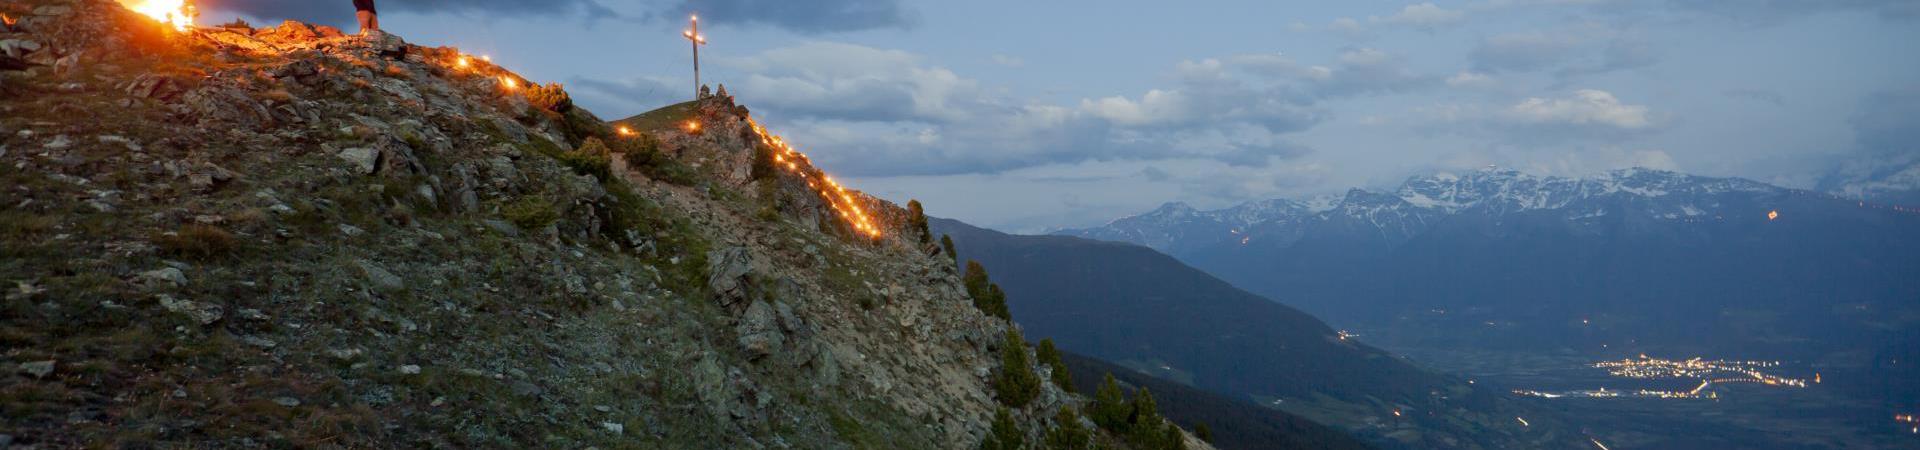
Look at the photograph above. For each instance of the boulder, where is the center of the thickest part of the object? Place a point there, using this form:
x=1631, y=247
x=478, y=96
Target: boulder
x=167, y=276
x=729, y=268
x=38, y=369
x=204, y=313
x=759, y=330
x=379, y=277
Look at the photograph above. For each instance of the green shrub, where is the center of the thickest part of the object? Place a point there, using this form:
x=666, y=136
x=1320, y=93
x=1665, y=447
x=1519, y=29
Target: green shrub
x=643, y=155
x=592, y=158
x=531, y=213
x=551, y=97
x=198, y=242
x=1015, y=384
x=946, y=242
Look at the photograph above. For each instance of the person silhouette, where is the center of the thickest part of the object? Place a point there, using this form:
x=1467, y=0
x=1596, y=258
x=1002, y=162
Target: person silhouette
x=369, y=17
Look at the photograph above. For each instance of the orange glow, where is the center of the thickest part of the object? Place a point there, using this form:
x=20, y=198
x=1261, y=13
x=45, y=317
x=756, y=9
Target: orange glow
x=693, y=126
x=509, y=83
x=463, y=62
x=1773, y=215
x=844, y=204
x=178, y=13
x=6, y=19
x=624, y=131
x=487, y=58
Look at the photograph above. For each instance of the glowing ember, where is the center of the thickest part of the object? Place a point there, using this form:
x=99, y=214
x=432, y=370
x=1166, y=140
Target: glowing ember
x=179, y=13
x=693, y=126
x=6, y=19
x=1773, y=215
x=836, y=195
x=509, y=83
x=463, y=62
x=624, y=131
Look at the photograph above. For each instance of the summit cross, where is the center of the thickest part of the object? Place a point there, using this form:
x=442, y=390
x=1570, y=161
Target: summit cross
x=693, y=35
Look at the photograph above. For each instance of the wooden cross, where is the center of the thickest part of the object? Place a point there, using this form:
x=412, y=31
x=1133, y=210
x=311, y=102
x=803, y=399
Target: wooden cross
x=693, y=35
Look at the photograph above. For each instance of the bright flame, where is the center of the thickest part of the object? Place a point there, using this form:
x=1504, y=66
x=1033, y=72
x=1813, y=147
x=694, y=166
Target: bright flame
x=178, y=13
x=509, y=83
x=6, y=19
x=624, y=131
x=1773, y=215
x=843, y=202
x=693, y=126
x=463, y=62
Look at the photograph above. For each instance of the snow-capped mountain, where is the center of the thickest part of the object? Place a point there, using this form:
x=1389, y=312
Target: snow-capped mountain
x=1646, y=257
x=1422, y=201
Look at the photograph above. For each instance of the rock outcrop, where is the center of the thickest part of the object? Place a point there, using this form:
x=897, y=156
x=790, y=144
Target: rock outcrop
x=369, y=243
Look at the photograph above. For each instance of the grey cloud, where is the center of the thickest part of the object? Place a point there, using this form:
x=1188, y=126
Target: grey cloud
x=1569, y=52
x=808, y=17
x=623, y=98
x=1773, y=11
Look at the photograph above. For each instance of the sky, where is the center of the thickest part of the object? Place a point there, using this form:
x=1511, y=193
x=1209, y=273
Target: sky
x=1027, y=116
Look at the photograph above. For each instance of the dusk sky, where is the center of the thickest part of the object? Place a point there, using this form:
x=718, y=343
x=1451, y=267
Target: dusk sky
x=1032, y=115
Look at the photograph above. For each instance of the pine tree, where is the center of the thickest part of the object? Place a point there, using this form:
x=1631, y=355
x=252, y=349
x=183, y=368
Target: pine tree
x=1005, y=434
x=1172, y=439
x=1110, y=406
x=1067, y=434
x=996, y=302
x=946, y=241
x=1050, y=356
x=917, y=221
x=1200, y=430
x=975, y=279
x=1015, y=384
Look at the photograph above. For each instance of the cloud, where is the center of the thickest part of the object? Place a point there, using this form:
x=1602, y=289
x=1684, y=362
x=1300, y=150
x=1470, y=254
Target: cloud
x=1471, y=80
x=880, y=112
x=637, y=94
x=340, y=12
x=1579, y=116
x=806, y=17
x=1008, y=61
x=1423, y=15
x=1586, y=107
x=1581, y=49
x=1775, y=11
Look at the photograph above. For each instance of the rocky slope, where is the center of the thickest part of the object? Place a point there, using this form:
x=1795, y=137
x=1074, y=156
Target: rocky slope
x=290, y=237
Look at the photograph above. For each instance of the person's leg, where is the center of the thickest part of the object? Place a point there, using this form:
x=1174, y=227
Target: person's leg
x=366, y=21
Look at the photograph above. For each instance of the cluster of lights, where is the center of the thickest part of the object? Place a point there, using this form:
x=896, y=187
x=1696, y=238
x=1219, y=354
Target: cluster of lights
x=1715, y=370
x=1912, y=423
x=177, y=13
x=836, y=195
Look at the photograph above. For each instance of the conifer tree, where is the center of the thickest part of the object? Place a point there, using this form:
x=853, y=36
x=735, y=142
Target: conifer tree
x=1050, y=356
x=1202, y=431
x=1110, y=405
x=1015, y=384
x=1067, y=434
x=917, y=221
x=1005, y=434
x=946, y=241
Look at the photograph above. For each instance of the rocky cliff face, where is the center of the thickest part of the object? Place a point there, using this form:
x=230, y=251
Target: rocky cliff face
x=288, y=236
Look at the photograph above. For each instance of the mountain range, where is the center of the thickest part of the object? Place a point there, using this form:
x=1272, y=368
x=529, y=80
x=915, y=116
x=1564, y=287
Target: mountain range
x=1630, y=260
x=1149, y=312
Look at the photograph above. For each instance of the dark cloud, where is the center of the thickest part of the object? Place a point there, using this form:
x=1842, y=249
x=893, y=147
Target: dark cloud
x=340, y=12
x=801, y=16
